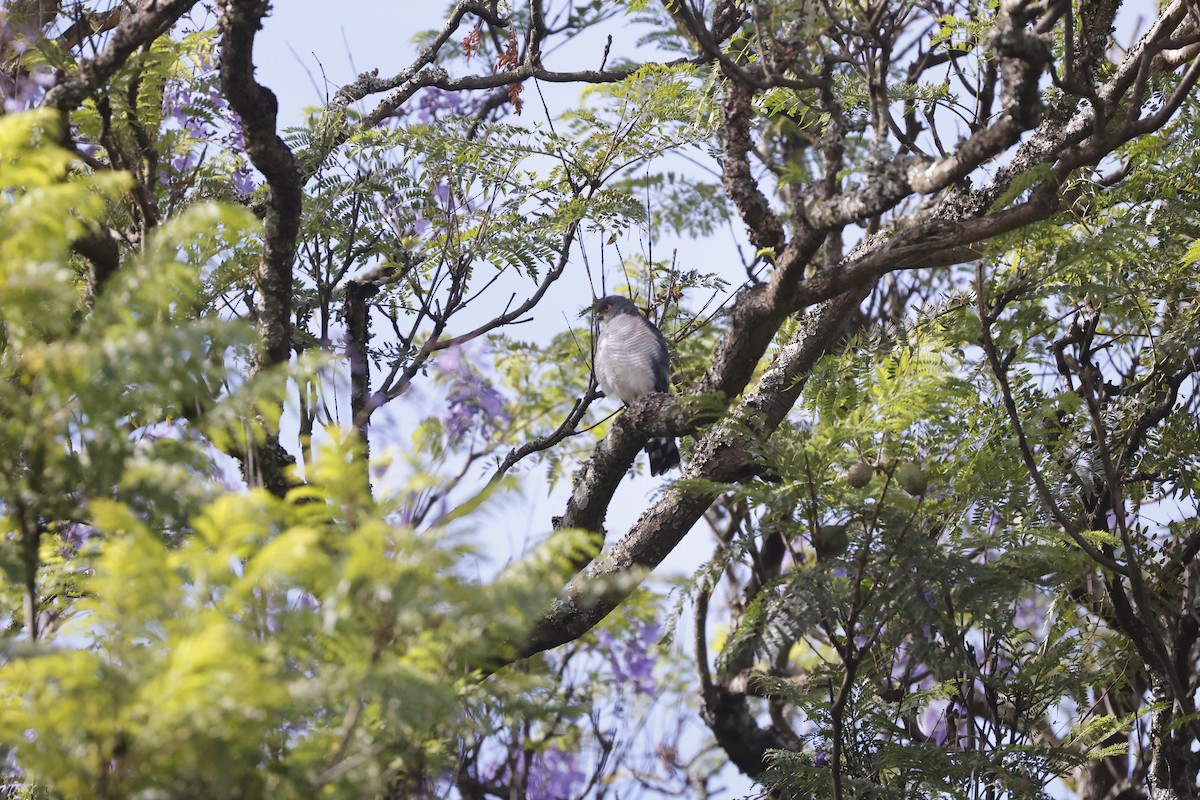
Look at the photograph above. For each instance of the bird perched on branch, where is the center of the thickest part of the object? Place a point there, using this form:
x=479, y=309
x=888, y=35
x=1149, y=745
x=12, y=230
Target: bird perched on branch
x=631, y=362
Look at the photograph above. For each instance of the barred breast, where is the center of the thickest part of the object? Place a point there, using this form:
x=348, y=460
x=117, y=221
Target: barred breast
x=630, y=360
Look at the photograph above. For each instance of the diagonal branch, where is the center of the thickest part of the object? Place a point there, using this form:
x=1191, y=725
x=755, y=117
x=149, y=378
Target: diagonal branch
x=951, y=234
x=999, y=367
x=391, y=389
x=136, y=30
x=721, y=455
x=566, y=429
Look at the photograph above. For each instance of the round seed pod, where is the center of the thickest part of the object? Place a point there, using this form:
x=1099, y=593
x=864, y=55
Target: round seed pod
x=831, y=541
x=911, y=478
x=860, y=474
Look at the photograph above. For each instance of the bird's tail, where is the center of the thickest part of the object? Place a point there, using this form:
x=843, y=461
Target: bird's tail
x=663, y=455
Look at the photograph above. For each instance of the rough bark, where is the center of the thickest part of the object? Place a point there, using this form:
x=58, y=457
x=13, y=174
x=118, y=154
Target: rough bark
x=951, y=227
x=257, y=107
x=136, y=30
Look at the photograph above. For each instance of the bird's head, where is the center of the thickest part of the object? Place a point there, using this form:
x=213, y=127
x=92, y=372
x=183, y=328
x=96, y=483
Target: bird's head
x=608, y=307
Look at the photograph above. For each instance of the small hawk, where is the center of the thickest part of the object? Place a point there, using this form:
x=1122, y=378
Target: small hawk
x=631, y=362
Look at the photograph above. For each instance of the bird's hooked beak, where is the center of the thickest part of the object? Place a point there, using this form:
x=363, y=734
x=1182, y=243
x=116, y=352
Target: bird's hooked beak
x=597, y=309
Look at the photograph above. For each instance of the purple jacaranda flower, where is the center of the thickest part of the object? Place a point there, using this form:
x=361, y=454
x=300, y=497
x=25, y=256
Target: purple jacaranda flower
x=277, y=606
x=555, y=775
x=236, y=138
x=405, y=516
x=176, y=96
x=177, y=165
x=933, y=722
x=630, y=659
x=178, y=101
x=12, y=775
x=196, y=129
x=301, y=600
x=457, y=421
x=636, y=669
x=189, y=106
x=492, y=403
x=244, y=182
x=23, y=92
x=639, y=662
x=74, y=536
x=820, y=759
x=492, y=770
x=434, y=104
x=452, y=358
x=472, y=404
x=378, y=469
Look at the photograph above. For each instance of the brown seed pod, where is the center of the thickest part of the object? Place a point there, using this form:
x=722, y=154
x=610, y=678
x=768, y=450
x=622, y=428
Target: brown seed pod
x=860, y=474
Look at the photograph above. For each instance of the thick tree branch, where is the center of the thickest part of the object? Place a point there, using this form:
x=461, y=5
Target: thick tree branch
x=257, y=107
x=764, y=228
x=358, y=337
x=721, y=455
x=138, y=29
x=961, y=220
x=422, y=73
